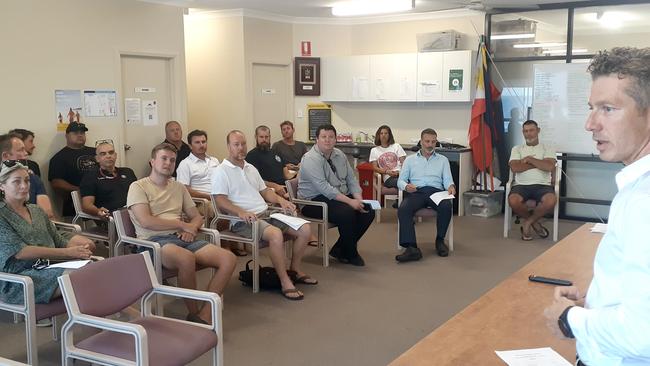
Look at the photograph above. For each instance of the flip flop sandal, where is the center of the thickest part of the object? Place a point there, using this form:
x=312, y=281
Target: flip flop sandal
x=312, y=243
x=288, y=291
x=306, y=280
x=540, y=230
x=523, y=236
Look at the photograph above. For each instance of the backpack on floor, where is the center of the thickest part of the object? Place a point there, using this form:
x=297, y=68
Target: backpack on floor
x=269, y=279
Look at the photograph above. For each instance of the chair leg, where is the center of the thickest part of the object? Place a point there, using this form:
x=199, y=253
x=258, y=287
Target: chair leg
x=256, y=270
x=30, y=337
x=326, y=252
x=55, y=328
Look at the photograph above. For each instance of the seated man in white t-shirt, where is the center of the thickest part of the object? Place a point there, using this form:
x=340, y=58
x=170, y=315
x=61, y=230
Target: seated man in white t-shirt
x=239, y=190
x=532, y=164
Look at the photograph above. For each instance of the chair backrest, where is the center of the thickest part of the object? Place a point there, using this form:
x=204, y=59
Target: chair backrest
x=123, y=224
x=76, y=201
x=108, y=286
x=292, y=188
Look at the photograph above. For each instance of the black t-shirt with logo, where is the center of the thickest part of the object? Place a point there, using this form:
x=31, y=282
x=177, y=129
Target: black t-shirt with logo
x=268, y=163
x=70, y=165
x=109, y=190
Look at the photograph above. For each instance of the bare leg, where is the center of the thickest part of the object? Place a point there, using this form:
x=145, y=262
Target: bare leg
x=182, y=260
x=520, y=208
x=224, y=261
x=302, y=236
x=276, y=248
x=546, y=205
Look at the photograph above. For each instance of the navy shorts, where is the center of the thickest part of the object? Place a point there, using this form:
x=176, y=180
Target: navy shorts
x=192, y=246
x=532, y=191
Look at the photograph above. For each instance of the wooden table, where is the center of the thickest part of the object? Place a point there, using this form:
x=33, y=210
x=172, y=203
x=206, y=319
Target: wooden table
x=510, y=316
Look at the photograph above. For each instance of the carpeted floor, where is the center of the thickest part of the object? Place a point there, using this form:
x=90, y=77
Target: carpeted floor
x=355, y=316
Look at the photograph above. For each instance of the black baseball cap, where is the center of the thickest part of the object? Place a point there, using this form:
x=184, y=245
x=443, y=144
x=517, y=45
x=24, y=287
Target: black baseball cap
x=76, y=127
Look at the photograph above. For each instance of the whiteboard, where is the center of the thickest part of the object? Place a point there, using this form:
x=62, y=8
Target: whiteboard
x=560, y=96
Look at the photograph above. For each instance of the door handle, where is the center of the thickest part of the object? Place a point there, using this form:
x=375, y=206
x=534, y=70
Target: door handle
x=127, y=147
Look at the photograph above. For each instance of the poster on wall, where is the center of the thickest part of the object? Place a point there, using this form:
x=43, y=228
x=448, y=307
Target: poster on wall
x=307, y=76
x=68, y=107
x=132, y=110
x=100, y=103
x=150, y=112
x=456, y=80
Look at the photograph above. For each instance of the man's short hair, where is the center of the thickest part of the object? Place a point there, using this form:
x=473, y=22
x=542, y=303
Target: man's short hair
x=102, y=143
x=262, y=128
x=428, y=131
x=163, y=146
x=170, y=122
x=626, y=62
x=24, y=134
x=391, y=139
x=325, y=127
x=285, y=123
x=196, y=133
x=5, y=142
x=530, y=122
x=232, y=133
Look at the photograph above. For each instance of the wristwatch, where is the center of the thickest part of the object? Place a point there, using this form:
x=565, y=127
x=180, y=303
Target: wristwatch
x=563, y=323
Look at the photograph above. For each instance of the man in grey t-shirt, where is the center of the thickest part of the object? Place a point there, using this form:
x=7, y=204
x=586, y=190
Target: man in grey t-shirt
x=290, y=150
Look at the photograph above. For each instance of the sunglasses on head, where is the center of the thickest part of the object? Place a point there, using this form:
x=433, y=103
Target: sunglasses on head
x=107, y=141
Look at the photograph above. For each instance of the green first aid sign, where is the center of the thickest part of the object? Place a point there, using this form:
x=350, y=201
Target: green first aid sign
x=456, y=79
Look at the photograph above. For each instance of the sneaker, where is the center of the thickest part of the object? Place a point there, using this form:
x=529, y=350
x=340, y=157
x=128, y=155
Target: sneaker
x=44, y=323
x=410, y=254
x=442, y=248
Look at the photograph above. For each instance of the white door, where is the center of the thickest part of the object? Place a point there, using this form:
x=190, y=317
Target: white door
x=270, y=98
x=147, y=79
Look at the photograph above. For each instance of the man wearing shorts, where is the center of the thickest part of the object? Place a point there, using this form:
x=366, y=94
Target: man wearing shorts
x=239, y=190
x=532, y=164
x=156, y=204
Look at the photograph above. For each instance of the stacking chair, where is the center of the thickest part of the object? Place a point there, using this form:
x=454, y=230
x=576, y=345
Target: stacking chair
x=126, y=236
x=95, y=233
x=106, y=287
x=429, y=212
x=556, y=177
x=31, y=311
x=323, y=224
x=202, y=205
x=379, y=192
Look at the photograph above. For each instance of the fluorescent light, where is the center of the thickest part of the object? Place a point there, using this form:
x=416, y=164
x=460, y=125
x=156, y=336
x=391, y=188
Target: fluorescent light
x=610, y=19
x=369, y=7
x=512, y=36
x=563, y=51
x=538, y=45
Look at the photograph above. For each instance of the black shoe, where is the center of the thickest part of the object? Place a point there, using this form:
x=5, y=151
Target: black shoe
x=410, y=254
x=395, y=205
x=335, y=253
x=356, y=261
x=442, y=248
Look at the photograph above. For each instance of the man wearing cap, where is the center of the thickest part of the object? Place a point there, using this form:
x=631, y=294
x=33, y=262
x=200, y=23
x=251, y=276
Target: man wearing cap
x=68, y=166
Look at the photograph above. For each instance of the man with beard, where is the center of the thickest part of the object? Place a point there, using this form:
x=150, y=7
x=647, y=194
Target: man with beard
x=422, y=175
x=271, y=166
x=290, y=150
x=532, y=164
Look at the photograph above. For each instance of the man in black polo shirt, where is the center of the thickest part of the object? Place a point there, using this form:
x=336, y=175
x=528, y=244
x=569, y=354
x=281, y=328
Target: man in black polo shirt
x=270, y=165
x=105, y=189
x=68, y=166
x=174, y=136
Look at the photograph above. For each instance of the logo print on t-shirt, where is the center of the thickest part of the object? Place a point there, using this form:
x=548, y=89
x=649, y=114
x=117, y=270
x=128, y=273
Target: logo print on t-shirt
x=277, y=158
x=86, y=163
x=387, y=160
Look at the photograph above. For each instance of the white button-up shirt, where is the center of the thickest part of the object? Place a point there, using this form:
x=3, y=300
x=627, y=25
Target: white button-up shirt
x=614, y=326
x=197, y=173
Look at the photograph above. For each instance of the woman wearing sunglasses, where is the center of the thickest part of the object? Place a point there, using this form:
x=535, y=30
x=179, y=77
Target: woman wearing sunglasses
x=28, y=238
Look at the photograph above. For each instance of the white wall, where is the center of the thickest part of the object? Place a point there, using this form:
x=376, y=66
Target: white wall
x=75, y=44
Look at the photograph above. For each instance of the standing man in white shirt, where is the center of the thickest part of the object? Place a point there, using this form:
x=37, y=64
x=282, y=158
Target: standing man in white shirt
x=239, y=190
x=611, y=324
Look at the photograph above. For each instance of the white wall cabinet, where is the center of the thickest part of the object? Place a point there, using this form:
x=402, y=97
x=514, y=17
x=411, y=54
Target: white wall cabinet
x=406, y=77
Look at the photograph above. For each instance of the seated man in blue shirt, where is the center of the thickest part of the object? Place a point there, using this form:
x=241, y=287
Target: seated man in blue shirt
x=422, y=175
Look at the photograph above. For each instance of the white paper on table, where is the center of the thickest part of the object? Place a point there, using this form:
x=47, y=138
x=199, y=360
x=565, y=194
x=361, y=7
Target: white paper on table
x=374, y=204
x=599, y=228
x=70, y=264
x=533, y=357
x=294, y=222
x=439, y=196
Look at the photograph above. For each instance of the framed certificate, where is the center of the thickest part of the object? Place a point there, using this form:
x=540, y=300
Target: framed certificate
x=307, y=76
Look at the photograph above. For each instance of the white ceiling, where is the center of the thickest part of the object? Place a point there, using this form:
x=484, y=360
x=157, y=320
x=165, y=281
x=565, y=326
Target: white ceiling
x=321, y=8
